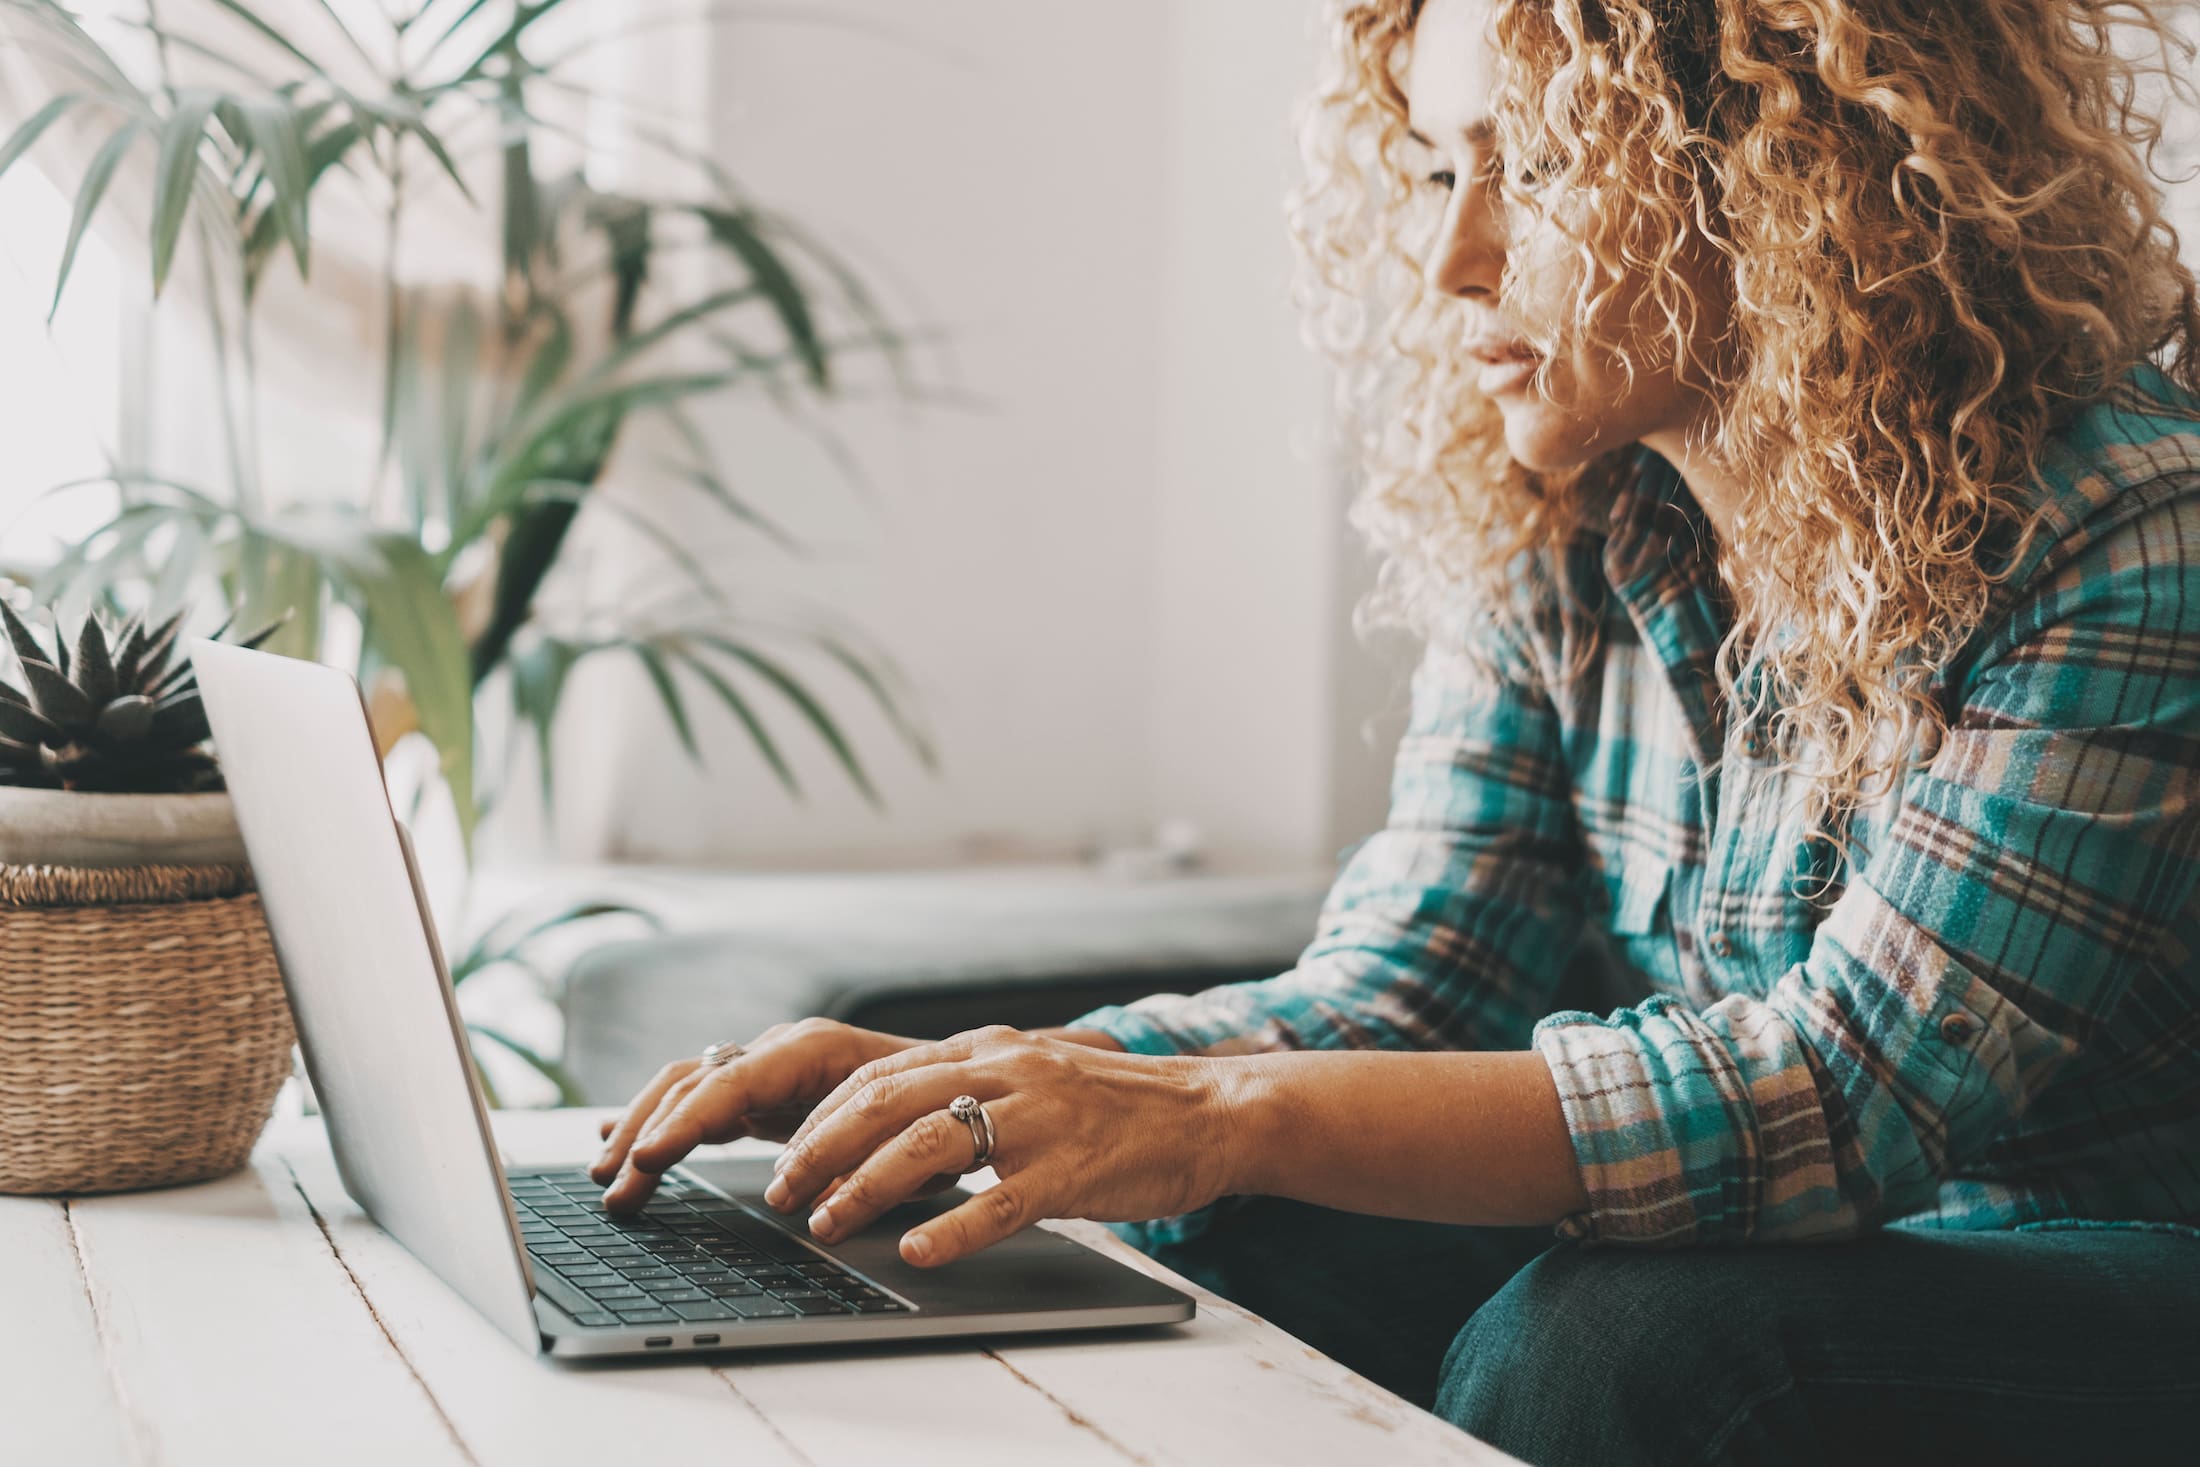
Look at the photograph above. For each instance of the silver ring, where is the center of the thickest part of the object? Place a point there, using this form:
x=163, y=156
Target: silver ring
x=965, y=1108
x=715, y=1055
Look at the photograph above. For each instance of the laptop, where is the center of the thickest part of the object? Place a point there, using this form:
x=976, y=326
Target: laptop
x=707, y=1266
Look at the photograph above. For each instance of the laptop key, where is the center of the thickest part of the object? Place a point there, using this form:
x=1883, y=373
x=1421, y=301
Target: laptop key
x=596, y=1316
x=704, y=1309
x=761, y=1307
x=646, y=1316
x=819, y=1304
x=561, y=1293
x=735, y=1289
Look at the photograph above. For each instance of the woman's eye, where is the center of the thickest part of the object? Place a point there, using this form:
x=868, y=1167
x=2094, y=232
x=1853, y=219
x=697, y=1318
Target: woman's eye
x=1444, y=179
x=1530, y=174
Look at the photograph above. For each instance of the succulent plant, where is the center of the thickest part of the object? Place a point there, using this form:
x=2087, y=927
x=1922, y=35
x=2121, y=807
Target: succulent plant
x=120, y=715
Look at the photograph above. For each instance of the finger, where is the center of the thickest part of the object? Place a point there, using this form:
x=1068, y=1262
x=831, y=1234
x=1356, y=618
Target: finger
x=892, y=1174
x=795, y=1066
x=871, y=1117
x=603, y=1132
x=638, y=1111
x=631, y=1187
x=956, y=1047
x=982, y=1221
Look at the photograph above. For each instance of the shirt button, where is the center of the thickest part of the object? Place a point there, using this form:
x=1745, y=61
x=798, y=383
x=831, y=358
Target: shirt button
x=1956, y=1028
x=1719, y=945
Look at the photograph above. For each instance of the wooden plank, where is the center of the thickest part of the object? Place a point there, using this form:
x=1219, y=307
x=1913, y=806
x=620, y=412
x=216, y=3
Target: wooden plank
x=513, y=1409
x=57, y=1400
x=1229, y=1386
x=240, y=1338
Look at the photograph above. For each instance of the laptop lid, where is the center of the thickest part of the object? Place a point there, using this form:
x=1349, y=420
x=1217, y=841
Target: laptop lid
x=375, y=1012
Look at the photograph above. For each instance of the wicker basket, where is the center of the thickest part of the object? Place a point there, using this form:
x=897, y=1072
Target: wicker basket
x=143, y=1028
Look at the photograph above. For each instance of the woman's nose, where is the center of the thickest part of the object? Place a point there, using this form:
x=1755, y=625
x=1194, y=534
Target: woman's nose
x=1468, y=257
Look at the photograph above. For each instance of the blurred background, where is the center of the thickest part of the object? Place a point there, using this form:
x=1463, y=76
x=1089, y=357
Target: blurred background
x=867, y=447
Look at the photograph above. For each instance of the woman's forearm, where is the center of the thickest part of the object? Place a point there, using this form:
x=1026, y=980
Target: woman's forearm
x=1458, y=1137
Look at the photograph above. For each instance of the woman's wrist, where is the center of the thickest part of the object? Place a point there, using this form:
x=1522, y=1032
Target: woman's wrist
x=1242, y=1101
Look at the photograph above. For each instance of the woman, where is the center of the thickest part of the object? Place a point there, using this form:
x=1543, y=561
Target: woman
x=1790, y=449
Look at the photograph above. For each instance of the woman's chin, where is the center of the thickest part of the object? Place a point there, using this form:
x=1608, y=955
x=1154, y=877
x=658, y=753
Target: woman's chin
x=1542, y=439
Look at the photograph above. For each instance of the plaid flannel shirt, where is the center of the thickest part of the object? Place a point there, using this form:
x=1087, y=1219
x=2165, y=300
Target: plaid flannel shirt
x=1990, y=1018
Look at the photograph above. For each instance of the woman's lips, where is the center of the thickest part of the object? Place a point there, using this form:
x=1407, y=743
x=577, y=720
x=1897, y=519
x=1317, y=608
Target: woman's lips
x=1509, y=373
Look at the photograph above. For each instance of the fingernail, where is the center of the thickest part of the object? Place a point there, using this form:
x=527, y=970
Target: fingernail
x=821, y=1221
x=776, y=1194
x=916, y=1247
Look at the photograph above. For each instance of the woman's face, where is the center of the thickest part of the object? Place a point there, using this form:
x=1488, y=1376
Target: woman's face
x=1588, y=404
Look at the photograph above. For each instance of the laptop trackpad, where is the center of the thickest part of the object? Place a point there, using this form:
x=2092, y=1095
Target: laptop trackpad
x=1034, y=1270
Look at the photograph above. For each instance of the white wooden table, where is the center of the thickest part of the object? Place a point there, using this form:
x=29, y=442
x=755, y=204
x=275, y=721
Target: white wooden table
x=264, y=1319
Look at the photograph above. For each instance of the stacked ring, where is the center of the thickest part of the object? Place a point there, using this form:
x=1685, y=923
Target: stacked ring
x=965, y=1108
x=715, y=1055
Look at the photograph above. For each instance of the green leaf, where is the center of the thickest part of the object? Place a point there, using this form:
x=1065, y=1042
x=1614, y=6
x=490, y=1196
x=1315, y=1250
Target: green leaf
x=867, y=675
x=279, y=139
x=666, y=542
x=95, y=668
x=126, y=720
x=413, y=627
x=461, y=368
x=737, y=232
x=246, y=14
x=498, y=944
x=97, y=175
x=173, y=175
x=23, y=725
x=142, y=663
x=808, y=706
x=653, y=662
x=34, y=127
x=739, y=707
x=56, y=698
x=723, y=496
x=20, y=636
x=538, y=682
x=419, y=128
x=547, y=363
x=569, y=1092
x=179, y=720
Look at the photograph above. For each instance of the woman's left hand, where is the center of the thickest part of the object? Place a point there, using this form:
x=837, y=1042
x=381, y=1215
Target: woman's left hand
x=1078, y=1132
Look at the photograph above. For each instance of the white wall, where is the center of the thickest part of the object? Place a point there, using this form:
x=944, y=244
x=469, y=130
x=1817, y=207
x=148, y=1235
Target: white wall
x=1122, y=586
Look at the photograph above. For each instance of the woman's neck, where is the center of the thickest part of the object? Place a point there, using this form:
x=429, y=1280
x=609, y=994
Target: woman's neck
x=1716, y=488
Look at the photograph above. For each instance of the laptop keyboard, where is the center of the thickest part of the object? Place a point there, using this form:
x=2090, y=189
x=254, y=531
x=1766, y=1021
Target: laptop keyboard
x=689, y=1256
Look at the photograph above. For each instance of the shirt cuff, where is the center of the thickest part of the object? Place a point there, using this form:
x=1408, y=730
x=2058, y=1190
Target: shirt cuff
x=1136, y=1032
x=1624, y=1141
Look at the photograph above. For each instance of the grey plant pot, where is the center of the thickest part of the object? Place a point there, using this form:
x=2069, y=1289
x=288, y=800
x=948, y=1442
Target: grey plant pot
x=64, y=828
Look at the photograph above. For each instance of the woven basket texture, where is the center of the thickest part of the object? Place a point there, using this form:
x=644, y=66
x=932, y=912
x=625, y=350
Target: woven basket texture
x=143, y=1028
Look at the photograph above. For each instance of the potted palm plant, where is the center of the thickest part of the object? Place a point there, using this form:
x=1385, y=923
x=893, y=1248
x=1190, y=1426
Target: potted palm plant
x=143, y=1032
x=562, y=383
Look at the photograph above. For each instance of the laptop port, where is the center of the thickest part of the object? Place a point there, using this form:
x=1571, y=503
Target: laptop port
x=659, y=1342
x=706, y=1339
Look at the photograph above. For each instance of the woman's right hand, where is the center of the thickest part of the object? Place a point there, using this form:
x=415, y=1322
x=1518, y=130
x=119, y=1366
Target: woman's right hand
x=766, y=1091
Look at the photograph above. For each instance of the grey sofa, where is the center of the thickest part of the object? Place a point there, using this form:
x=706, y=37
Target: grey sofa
x=921, y=953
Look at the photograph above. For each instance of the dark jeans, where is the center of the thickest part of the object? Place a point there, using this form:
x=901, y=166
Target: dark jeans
x=1997, y=1347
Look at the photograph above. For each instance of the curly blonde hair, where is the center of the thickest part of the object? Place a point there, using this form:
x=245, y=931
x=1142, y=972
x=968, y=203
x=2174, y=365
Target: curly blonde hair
x=1943, y=231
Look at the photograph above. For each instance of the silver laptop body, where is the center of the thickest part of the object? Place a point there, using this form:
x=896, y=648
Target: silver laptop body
x=387, y=1053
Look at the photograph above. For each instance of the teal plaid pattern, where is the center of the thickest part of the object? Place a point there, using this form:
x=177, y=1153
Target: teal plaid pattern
x=1987, y=1016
